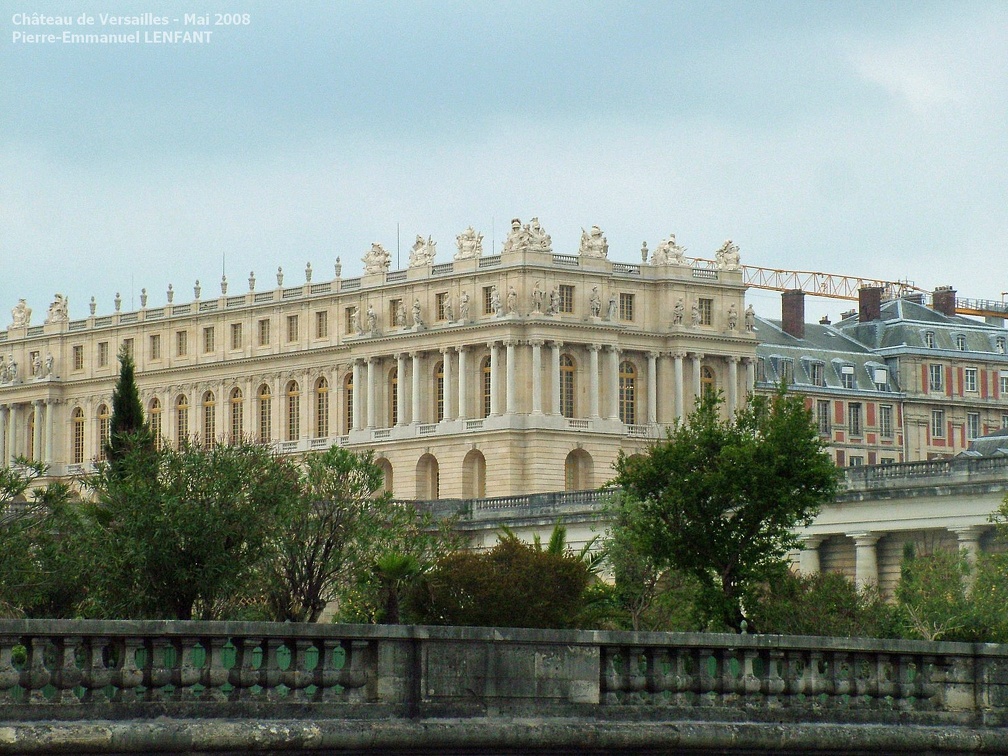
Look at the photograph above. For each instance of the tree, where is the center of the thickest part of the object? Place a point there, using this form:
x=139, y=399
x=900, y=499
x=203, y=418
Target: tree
x=721, y=499
x=127, y=428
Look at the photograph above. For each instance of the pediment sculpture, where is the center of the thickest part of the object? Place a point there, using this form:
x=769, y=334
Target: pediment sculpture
x=423, y=252
x=58, y=312
x=728, y=256
x=668, y=253
x=594, y=243
x=470, y=244
x=376, y=260
x=528, y=238
x=21, y=315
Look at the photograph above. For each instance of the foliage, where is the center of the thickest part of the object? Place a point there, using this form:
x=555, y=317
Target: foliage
x=514, y=584
x=127, y=428
x=823, y=603
x=720, y=500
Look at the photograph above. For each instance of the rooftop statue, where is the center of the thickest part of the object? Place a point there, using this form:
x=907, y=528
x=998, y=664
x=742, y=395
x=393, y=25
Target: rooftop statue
x=470, y=244
x=376, y=260
x=593, y=243
x=728, y=256
x=21, y=315
x=527, y=238
x=423, y=252
x=58, y=310
x=668, y=253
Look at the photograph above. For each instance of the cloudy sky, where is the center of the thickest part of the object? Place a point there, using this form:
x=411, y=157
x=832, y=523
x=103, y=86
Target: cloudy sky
x=864, y=138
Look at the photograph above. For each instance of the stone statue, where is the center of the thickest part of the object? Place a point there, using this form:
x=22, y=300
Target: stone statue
x=732, y=317
x=143, y=298
x=612, y=307
x=307, y=272
x=21, y=315
x=554, y=305
x=643, y=253
x=49, y=364
x=355, y=326
x=376, y=260
x=527, y=238
x=448, y=306
x=695, y=315
x=537, y=298
x=750, y=319
x=400, y=316
x=539, y=240
x=678, y=311
x=3, y=371
x=464, y=307
x=512, y=301
x=470, y=244
x=593, y=243
x=595, y=302
x=422, y=252
x=339, y=267
x=495, y=301
x=372, y=319
x=58, y=310
x=36, y=366
x=279, y=276
x=417, y=318
x=12, y=368
x=668, y=253
x=728, y=256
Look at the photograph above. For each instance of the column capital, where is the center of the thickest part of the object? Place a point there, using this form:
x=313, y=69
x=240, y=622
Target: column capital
x=460, y=348
x=864, y=539
x=510, y=343
x=416, y=354
x=446, y=350
x=748, y=360
x=969, y=532
x=557, y=343
x=679, y=354
x=653, y=355
x=697, y=355
x=492, y=344
x=536, y=342
x=732, y=358
x=613, y=348
x=812, y=541
x=593, y=347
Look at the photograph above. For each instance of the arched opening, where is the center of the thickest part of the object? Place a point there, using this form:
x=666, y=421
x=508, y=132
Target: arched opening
x=237, y=415
x=265, y=414
x=322, y=408
x=427, y=482
x=386, y=468
x=393, y=392
x=474, y=475
x=154, y=420
x=293, y=411
x=347, y=403
x=78, y=436
x=485, y=372
x=628, y=393
x=707, y=384
x=209, y=418
x=104, y=419
x=439, y=392
x=181, y=420
x=567, y=372
x=578, y=471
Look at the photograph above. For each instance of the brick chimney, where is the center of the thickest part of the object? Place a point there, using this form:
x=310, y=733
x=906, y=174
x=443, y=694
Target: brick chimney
x=943, y=300
x=793, y=313
x=869, y=304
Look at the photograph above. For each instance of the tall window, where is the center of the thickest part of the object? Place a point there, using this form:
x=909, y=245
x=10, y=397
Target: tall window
x=567, y=370
x=264, y=332
x=237, y=415
x=1003, y=382
x=929, y=340
x=348, y=390
x=292, y=328
x=817, y=372
x=78, y=357
x=970, y=379
x=938, y=423
x=707, y=379
x=208, y=339
x=488, y=300
x=972, y=425
x=155, y=346
x=322, y=408
x=78, y=436
x=626, y=307
x=394, y=396
x=935, y=374
x=823, y=416
x=293, y=411
x=439, y=392
x=961, y=343
x=485, y=370
x=181, y=343
x=209, y=418
x=182, y=420
x=566, y=298
x=847, y=376
x=885, y=421
x=127, y=347
x=265, y=414
x=854, y=418
x=154, y=417
x=236, y=335
x=628, y=393
x=102, y=353
x=441, y=300
x=322, y=324
x=104, y=420
x=706, y=308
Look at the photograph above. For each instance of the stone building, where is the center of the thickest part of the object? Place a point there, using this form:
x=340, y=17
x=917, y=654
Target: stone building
x=518, y=372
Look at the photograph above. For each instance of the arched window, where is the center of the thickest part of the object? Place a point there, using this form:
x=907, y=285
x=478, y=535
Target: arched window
x=393, y=392
x=321, y=408
x=578, y=470
x=347, y=403
x=209, y=418
x=293, y=411
x=30, y=440
x=237, y=415
x=567, y=385
x=706, y=380
x=182, y=420
x=628, y=393
x=439, y=392
x=485, y=369
x=386, y=468
x=427, y=478
x=154, y=416
x=78, y=436
x=474, y=474
x=265, y=414
x=104, y=420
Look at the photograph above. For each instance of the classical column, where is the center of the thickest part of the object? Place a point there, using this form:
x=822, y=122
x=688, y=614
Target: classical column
x=50, y=409
x=593, y=380
x=652, y=387
x=511, y=389
x=446, y=360
x=358, y=389
x=969, y=541
x=463, y=378
x=677, y=383
x=536, y=376
x=12, y=422
x=865, y=559
x=750, y=375
x=555, y=371
x=614, y=360
x=372, y=375
x=809, y=560
x=3, y=435
x=416, y=387
x=401, y=388
x=494, y=377
x=696, y=358
x=732, y=392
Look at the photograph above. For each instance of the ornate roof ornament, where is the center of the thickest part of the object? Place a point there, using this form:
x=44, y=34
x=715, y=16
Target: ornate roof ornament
x=376, y=260
x=58, y=312
x=422, y=252
x=728, y=256
x=21, y=315
x=528, y=238
x=593, y=243
x=470, y=244
x=668, y=253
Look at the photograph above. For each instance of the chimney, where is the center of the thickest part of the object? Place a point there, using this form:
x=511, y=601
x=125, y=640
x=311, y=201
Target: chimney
x=869, y=304
x=944, y=300
x=824, y=320
x=793, y=313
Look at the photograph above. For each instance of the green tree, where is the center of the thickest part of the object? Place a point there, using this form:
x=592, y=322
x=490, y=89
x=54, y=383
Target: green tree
x=720, y=500
x=127, y=428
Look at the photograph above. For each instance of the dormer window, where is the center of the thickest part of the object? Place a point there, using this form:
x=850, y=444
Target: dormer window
x=817, y=373
x=847, y=376
x=929, y=339
x=961, y=343
x=881, y=378
x=999, y=344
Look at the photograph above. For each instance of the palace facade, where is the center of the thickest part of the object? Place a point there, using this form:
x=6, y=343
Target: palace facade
x=485, y=375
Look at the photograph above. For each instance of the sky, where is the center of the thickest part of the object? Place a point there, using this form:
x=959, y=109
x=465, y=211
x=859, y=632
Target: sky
x=859, y=138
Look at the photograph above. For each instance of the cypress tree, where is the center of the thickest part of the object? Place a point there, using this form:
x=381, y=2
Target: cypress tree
x=127, y=429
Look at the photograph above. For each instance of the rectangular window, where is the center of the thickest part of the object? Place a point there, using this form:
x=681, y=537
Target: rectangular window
x=488, y=300
x=970, y=379
x=208, y=339
x=1004, y=420
x=292, y=328
x=929, y=339
x=760, y=369
x=785, y=371
x=102, y=353
x=566, y=298
x=442, y=305
x=938, y=423
x=264, y=332
x=881, y=379
x=181, y=343
x=1003, y=376
x=854, y=418
x=78, y=357
x=127, y=346
x=236, y=335
x=885, y=421
x=393, y=313
x=847, y=376
x=706, y=308
x=886, y=460
x=823, y=416
x=935, y=378
x=348, y=319
x=856, y=461
x=817, y=372
x=155, y=346
x=322, y=324
x=626, y=306
x=972, y=425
